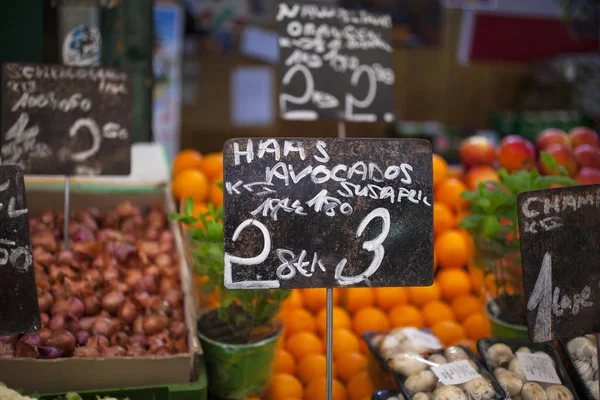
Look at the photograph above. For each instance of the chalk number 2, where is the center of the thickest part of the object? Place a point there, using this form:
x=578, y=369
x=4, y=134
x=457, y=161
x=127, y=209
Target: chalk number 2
x=375, y=246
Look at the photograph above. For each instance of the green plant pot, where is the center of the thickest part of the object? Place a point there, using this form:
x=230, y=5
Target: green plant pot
x=504, y=330
x=241, y=370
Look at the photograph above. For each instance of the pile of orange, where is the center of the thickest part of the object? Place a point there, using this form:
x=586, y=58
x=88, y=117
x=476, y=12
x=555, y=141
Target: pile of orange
x=197, y=176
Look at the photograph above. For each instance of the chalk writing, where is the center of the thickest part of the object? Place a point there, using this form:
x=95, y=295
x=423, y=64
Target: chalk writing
x=318, y=212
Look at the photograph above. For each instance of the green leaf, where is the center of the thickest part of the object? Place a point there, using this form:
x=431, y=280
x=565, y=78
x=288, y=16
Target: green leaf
x=491, y=225
x=471, y=221
x=469, y=195
x=548, y=161
x=73, y=396
x=562, y=170
x=220, y=185
x=189, y=207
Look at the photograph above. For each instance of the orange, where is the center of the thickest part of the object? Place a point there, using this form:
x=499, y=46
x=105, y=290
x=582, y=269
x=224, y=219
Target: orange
x=408, y=315
x=465, y=305
x=215, y=194
x=456, y=171
x=187, y=159
x=315, y=299
x=440, y=169
x=452, y=249
x=449, y=191
x=370, y=319
x=349, y=364
x=435, y=260
x=311, y=367
x=443, y=218
x=357, y=298
x=293, y=301
x=317, y=390
x=201, y=209
x=284, y=362
x=420, y=295
x=190, y=183
x=468, y=240
x=212, y=165
x=387, y=298
x=284, y=385
x=436, y=311
x=454, y=283
x=299, y=320
x=477, y=326
x=448, y=332
x=301, y=344
x=480, y=173
x=341, y=319
x=344, y=341
x=360, y=385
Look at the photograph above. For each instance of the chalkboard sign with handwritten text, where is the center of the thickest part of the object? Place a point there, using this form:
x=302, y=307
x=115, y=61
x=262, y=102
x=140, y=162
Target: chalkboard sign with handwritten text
x=19, y=311
x=335, y=63
x=327, y=213
x=560, y=256
x=61, y=120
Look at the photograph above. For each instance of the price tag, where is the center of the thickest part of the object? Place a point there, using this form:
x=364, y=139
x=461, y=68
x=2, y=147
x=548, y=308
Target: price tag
x=327, y=213
x=422, y=338
x=455, y=373
x=19, y=311
x=538, y=368
x=66, y=120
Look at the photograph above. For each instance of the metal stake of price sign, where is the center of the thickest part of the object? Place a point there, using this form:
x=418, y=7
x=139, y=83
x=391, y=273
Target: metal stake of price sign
x=325, y=213
x=560, y=256
x=62, y=120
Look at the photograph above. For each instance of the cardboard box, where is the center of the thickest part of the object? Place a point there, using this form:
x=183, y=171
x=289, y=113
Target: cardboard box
x=67, y=374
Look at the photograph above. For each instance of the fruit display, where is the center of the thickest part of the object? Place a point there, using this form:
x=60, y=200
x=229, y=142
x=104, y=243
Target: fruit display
x=504, y=360
x=577, y=154
x=115, y=292
x=582, y=354
x=412, y=356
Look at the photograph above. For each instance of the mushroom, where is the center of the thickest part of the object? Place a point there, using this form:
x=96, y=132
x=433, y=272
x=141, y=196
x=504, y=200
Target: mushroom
x=449, y=392
x=558, y=392
x=523, y=349
x=583, y=351
x=509, y=381
x=437, y=359
x=420, y=396
x=455, y=353
x=499, y=355
x=376, y=339
x=585, y=369
x=407, y=364
x=424, y=381
x=516, y=367
x=533, y=391
x=389, y=346
x=479, y=389
x=398, y=333
x=408, y=346
x=594, y=388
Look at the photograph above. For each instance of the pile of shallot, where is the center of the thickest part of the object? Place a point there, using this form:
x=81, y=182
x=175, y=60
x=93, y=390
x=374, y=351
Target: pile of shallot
x=114, y=292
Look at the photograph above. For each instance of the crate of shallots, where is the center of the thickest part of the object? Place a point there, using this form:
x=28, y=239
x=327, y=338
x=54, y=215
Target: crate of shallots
x=424, y=370
x=527, y=370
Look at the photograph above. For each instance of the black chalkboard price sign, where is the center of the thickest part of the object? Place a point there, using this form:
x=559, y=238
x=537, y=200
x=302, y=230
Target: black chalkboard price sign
x=62, y=120
x=335, y=63
x=560, y=252
x=327, y=213
x=19, y=312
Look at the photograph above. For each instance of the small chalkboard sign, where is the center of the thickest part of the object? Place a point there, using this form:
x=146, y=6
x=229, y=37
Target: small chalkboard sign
x=327, y=213
x=19, y=311
x=335, y=63
x=560, y=256
x=62, y=120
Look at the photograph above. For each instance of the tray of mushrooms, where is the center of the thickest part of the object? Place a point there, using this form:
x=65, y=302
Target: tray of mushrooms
x=582, y=357
x=500, y=357
x=412, y=366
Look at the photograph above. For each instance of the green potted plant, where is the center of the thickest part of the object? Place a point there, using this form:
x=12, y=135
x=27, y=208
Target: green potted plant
x=494, y=226
x=239, y=333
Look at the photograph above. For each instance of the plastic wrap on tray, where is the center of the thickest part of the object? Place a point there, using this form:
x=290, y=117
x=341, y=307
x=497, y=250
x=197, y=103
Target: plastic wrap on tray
x=387, y=395
x=527, y=370
x=582, y=360
x=423, y=370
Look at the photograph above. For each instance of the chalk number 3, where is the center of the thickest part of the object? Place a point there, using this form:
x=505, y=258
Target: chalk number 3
x=374, y=245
